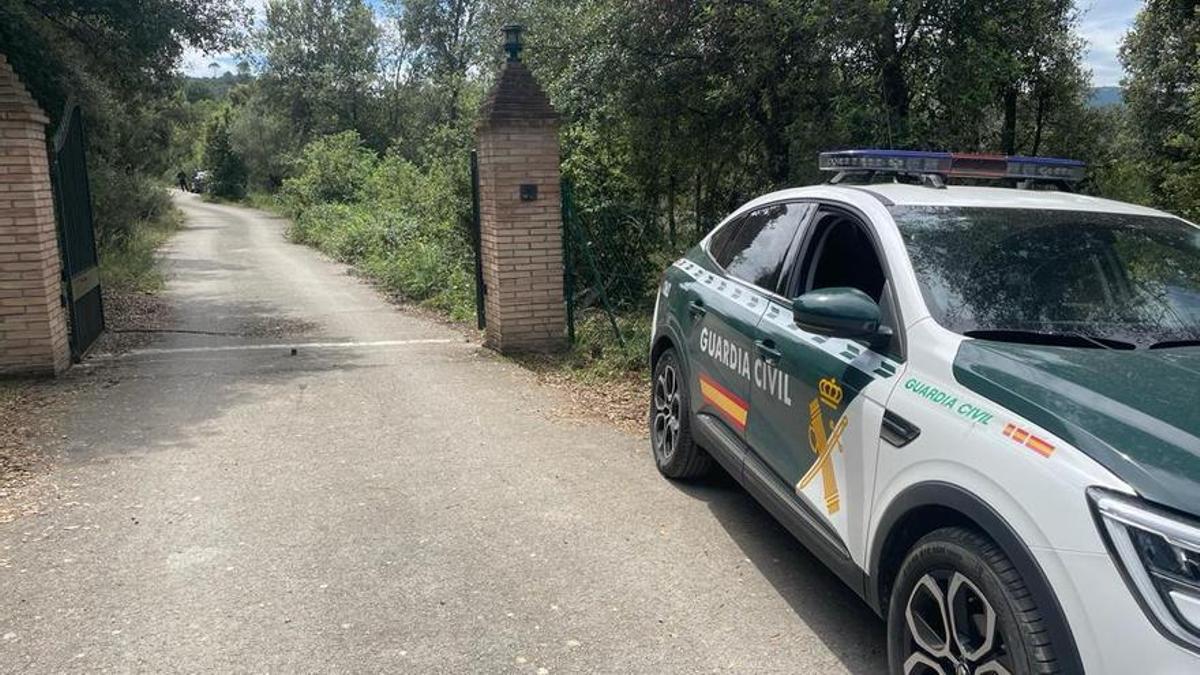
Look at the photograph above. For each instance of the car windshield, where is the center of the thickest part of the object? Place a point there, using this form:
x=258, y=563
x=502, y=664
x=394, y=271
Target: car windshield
x=1105, y=278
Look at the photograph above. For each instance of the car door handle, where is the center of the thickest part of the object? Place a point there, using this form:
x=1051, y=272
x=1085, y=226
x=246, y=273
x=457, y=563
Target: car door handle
x=766, y=348
x=696, y=309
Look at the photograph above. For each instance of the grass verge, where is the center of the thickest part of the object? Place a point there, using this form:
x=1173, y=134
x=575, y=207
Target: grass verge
x=130, y=265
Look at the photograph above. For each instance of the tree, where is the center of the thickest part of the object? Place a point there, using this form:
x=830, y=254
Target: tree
x=1162, y=90
x=320, y=59
x=889, y=42
x=263, y=139
x=227, y=171
x=56, y=43
x=445, y=37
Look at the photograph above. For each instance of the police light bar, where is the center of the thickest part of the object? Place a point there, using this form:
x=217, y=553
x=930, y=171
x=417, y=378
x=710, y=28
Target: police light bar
x=952, y=165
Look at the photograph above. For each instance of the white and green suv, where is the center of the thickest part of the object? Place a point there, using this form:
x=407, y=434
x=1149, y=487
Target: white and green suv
x=979, y=406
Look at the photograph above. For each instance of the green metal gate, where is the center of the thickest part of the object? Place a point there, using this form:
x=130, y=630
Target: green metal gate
x=477, y=245
x=77, y=238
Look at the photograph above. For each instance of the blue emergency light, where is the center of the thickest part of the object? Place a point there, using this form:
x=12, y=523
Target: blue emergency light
x=952, y=165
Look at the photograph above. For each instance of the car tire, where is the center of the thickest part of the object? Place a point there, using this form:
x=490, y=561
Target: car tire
x=960, y=607
x=675, y=453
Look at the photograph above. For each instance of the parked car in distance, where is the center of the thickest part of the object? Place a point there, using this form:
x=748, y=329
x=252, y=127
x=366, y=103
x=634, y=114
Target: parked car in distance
x=200, y=182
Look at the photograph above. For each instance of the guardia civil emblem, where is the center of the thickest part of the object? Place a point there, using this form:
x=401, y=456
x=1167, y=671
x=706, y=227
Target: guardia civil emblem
x=823, y=437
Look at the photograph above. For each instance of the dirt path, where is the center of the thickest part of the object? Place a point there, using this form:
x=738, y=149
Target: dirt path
x=387, y=498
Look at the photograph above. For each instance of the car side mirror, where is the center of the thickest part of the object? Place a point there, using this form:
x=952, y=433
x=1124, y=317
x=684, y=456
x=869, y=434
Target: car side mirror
x=839, y=312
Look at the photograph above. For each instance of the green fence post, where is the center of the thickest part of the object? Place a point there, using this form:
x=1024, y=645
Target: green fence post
x=477, y=240
x=568, y=262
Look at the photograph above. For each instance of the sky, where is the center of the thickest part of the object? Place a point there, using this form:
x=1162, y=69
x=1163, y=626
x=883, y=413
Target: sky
x=1102, y=23
x=196, y=63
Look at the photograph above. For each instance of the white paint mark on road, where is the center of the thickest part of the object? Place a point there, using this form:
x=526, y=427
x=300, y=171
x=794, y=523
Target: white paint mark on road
x=277, y=346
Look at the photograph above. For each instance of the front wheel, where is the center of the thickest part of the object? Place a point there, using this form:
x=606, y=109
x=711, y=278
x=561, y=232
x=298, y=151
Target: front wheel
x=675, y=453
x=959, y=607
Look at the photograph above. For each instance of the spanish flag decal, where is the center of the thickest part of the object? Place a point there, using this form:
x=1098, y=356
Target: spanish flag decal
x=731, y=407
x=1027, y=439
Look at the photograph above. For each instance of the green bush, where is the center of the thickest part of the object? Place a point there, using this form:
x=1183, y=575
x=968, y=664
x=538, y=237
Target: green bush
x=424, y=262
x=331, y=169
x=396, y=183
x=598, y=353
x=401, y=225
x=121, y=202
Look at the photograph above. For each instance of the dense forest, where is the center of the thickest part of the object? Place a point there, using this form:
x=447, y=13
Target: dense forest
x=357, y=117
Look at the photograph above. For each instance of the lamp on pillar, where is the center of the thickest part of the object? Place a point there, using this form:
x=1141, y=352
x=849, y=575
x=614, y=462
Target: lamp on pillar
x=512, y=41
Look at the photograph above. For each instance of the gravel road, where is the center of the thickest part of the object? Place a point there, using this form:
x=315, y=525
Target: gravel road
x=389, y=498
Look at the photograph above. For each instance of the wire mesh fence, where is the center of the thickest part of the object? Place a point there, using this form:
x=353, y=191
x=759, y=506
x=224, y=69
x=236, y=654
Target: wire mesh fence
x=608, y=258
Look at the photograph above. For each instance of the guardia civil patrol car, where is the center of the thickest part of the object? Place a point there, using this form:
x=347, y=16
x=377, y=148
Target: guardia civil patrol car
x=978, y=405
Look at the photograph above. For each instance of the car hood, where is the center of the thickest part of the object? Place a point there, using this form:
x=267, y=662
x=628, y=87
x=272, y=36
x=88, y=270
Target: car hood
x=1137, y=413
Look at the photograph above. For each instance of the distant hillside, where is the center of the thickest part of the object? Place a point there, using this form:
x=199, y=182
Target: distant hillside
x=211, y=88
x=1105, y=96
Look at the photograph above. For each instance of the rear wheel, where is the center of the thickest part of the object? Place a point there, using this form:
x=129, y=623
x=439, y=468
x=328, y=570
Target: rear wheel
x=675, y=453
x=959, y=607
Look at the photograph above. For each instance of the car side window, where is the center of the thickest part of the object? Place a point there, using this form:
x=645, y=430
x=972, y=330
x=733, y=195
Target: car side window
x=757, y=250
x=718, y=244
x=840, y=252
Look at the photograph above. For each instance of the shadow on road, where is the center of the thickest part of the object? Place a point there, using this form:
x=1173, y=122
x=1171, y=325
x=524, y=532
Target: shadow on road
x=846, y=625
x=213, y=358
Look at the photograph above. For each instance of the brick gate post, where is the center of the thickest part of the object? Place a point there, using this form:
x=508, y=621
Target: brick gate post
x=521, y=212
x=33, y=326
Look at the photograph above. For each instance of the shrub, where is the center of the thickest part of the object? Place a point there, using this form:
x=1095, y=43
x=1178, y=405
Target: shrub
x=597, y=351
x=395, y=182
x=331, y=169
x=420, y=261
x=122, y=202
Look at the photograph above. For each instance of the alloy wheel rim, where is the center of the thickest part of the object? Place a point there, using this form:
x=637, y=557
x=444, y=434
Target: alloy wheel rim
x=666, y=413
x=950, y=628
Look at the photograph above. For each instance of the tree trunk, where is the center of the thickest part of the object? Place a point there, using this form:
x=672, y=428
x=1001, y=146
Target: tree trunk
x=1038, y=123
x=767, y=112
x=1008, y=135
x=671, y=208
x=893, y=85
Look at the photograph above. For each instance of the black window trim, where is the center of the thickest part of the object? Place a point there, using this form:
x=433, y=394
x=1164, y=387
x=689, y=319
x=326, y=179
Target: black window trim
x=864, y=223
x=789, y=256
x=706, y=244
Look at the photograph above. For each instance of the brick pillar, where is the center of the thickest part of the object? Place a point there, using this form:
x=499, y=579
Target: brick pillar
x=33, y=328
x=521, y=215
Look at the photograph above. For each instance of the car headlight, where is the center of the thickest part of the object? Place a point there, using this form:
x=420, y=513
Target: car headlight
x=1159, y=554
